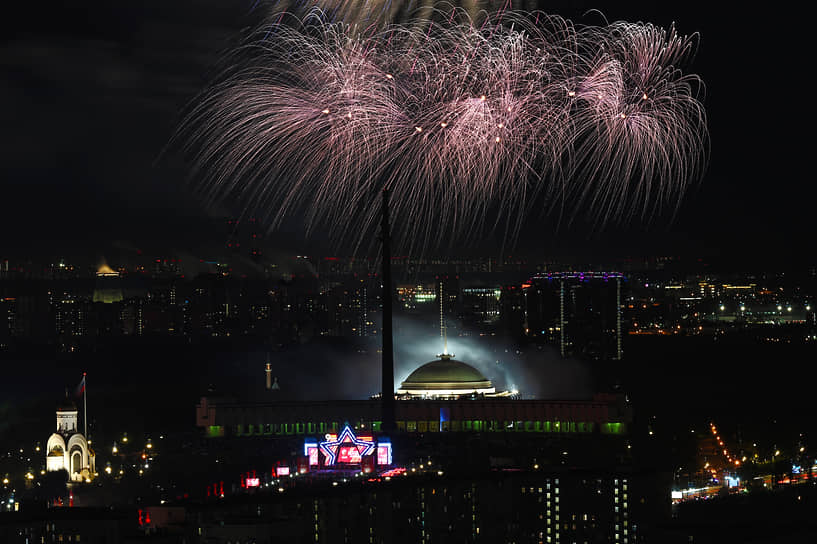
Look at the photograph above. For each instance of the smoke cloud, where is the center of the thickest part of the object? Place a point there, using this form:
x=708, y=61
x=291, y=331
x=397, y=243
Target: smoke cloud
x=343, y=369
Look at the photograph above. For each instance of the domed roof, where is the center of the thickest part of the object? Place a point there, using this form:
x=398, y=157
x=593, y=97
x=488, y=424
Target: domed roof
x=446, y=370
x=446, y=376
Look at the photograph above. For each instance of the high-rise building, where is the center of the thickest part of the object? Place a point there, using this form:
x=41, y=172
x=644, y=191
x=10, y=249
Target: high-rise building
x=108, y=288
x=416, y=297
x=359, y=310
x=580, y=312
x=480, y=304
x=7, y=315
x=70, y=312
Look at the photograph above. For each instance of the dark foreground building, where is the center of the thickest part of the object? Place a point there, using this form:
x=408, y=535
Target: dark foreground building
x=501, y=505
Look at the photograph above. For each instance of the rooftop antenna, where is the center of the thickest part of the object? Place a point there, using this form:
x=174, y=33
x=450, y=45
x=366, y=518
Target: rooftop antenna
x=443, y=328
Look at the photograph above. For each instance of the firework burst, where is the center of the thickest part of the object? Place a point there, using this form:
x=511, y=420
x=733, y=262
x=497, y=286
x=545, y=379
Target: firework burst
x=456, y=119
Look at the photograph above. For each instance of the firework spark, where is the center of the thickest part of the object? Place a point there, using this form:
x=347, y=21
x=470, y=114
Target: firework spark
x=456, y=119
x=365, y=15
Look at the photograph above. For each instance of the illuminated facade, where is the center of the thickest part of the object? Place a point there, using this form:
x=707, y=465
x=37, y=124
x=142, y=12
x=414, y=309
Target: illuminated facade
x=481, y=304
x=67, y=449
x=602, y=415
x=107, y=289
x=412, y=297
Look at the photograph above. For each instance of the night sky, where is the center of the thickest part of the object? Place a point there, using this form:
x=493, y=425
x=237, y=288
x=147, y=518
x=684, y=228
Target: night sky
x=92, y=92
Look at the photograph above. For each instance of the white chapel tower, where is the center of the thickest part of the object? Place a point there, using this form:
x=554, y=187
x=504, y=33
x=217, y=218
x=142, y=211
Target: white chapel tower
x=67, y=448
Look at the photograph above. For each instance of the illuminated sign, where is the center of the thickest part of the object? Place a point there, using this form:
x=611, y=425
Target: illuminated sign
x=311, y=451
x=253, y=482
x=346, y=448
x=281, y=471
x=348, y=455
x=384, y=453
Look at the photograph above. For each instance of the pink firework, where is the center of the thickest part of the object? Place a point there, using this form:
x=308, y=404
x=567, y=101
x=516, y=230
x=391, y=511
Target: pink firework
x=460, y=122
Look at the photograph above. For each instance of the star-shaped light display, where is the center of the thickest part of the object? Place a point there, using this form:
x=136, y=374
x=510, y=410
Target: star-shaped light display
x=347, y=448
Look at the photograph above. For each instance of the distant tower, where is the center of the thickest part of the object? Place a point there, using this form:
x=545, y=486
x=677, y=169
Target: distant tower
x=444, y=333
x=107, y=289
x=447, y=289
x=268, y=373
x=67, y=448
